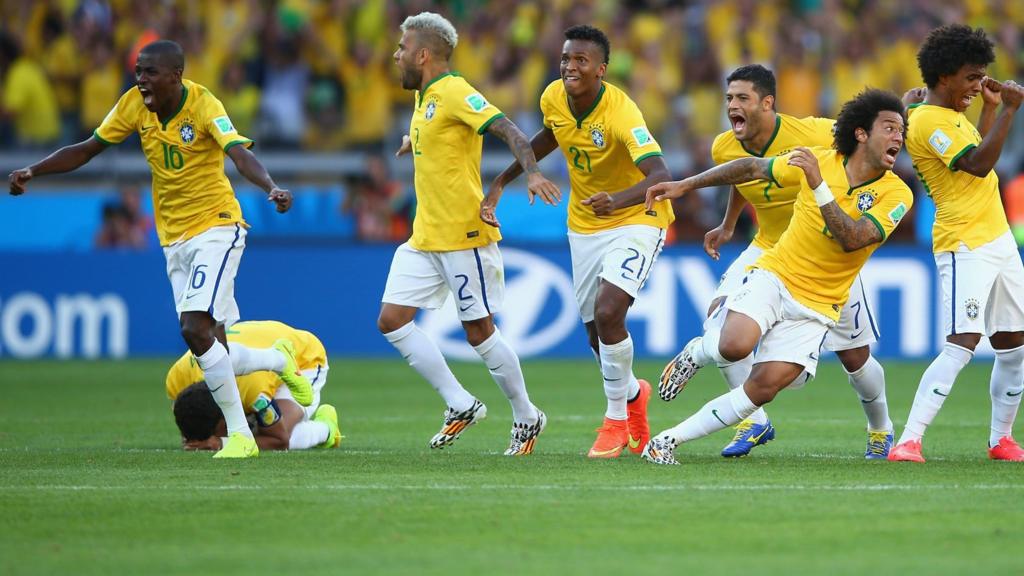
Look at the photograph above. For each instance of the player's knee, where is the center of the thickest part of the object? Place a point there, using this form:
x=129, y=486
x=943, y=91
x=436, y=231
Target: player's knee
x=388, y=322
x=759, y=390
x=197, y=333
x=733, y=350
x=608, y=316
x=855, y=359
x=969, y=341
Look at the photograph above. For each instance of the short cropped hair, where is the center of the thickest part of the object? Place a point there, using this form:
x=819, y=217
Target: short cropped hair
x=861, y=112
x=948, y=48
x=436, y=30
x=196, y=413
x=167, y=53
x=590, y=34
x=762, y=78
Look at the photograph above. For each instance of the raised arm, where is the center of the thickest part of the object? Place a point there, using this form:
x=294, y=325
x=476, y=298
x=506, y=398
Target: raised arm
x=655, y=172
x=542, y=144
x=65, y=159
x=735, y=171
x=724, y=231
x=981, y=160
x=526, y=154
x=250, y=167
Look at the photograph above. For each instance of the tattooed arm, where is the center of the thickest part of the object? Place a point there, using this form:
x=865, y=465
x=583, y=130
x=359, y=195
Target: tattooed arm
x=536, y=183
x=734, y=172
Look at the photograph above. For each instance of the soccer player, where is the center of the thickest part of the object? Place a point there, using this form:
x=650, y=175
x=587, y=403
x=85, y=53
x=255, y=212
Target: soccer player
x=613, y=239
x=849, y=202
x=759, y=131
x=185, y=135
x=979, y=267
x=281, y=424
x=451, y=249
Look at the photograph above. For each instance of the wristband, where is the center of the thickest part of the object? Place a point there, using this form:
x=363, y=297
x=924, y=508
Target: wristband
x=823, y=194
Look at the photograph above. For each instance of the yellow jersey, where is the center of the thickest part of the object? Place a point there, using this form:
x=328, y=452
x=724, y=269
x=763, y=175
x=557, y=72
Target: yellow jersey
x=28, y=96
x=968, y=209
x=191, y=194
x=602, y=147
x=309, y=355
x=773, y=205
x=446, y=131
x=809, y=261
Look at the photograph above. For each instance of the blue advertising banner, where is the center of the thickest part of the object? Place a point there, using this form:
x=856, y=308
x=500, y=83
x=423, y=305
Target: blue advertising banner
x=114, y=304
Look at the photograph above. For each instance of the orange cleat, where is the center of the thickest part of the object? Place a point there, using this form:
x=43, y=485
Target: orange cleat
x=1007, y=449
x=909, y=451
x=612, y=437
x=639, y=429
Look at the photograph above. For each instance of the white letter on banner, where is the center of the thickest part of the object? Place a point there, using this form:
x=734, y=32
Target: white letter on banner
x=34, y=344
x=91, y=311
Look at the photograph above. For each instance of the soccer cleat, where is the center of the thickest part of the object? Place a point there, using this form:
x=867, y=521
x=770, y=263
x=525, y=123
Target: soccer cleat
x=238, y=446
x=298, y=385
x=457, y=422
x=525, y=435
x=612, y=437
x=678, y=372
x=329, y=416
x=1007, y=449
x=879, y=444
x=636, y=421
x=909, y=451
x=660, y=451
x=748, y=435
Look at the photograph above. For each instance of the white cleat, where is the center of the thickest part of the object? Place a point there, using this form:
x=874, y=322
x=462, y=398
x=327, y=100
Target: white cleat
x=455, y=423
x=524, y=436
x=660, y=450
x=678, y=372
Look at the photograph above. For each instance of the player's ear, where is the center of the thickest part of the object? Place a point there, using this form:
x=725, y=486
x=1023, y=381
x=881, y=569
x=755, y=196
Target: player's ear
x=602, y=69
x=768, y=103
x=861, y=135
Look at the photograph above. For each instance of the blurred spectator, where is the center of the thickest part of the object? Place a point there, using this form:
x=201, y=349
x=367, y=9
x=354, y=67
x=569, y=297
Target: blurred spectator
x=27, y=96
x=285, y=80
x=1014, y=200
x=101, y=86
x=375, y=201
x=124, y=225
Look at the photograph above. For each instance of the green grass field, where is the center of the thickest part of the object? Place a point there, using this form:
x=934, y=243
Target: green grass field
x=92, y=482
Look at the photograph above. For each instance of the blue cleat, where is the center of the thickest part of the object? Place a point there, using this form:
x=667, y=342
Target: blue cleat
x=748, y=435
x=879, y=444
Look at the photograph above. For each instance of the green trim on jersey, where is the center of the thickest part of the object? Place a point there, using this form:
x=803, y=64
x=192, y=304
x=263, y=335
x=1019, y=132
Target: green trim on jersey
x=96, y=135
x=771, y=176
x=582, y=117
x=646, y=156
x=487, y=124
x=876, y=223
x=246, y=142
x=431, y=83
x=184, y=96
x=778, y=124
x=952, y=163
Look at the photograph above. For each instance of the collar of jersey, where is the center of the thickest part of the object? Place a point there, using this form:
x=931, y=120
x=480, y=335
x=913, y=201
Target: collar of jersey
x=184, y=96
x=862, y=184
x=778, y=124
x=431, y=83
x=582, y=117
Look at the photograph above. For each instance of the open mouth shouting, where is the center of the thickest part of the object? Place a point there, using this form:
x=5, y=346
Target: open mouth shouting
x=890, y=155
x=147, y=96
x=738, y=121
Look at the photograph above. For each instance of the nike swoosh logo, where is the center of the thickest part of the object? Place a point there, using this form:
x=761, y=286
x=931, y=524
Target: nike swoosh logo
x=812, y=356
x=756, y=439
x=634, y=443
x=936, y=390
x=605, y=452
x=461, y=309
x=854, y=336
x=715, y=414
x=1017, y=394
x=144, y=128
x=212, y=390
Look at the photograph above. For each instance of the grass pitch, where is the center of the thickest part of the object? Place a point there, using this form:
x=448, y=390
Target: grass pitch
x=92, y=482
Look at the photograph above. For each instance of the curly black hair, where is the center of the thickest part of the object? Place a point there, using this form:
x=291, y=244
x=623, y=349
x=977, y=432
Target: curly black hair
x=861, y=113
x=949, y=48
x=196, y=413
x=762, y=78
x=590, y=34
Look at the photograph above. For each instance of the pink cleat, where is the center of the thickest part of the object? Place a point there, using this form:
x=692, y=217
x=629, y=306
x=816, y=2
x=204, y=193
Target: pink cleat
x=910, y=451
x=1007, y=449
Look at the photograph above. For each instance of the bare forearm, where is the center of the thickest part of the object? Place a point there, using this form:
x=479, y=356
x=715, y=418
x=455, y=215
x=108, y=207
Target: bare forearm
x=734, y=172
x=980, y=161
x=851, y=234
x=65, y=159
x=527, y=153
x=637, y=193
x=255, y=172
x=733, y=209
x=987, y=119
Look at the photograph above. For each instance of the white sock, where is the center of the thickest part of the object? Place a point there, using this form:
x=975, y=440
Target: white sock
x=308, y=434
x=736, y=375
x=220, y=379
x=504, y=367
x=869, y=383
x=936, y=383
x=425, y=357
x=726, y=410
x=706, y=351
x=1005, y=387
x=617, y=371
x=247, y=360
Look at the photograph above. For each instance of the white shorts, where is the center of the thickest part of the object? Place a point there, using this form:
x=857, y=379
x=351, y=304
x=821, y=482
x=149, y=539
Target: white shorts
x=476, y=277
x=202, y=272
x=790, y=331
x=317, y=377
x=982, y=289
x=622, y=256
x=856, y=326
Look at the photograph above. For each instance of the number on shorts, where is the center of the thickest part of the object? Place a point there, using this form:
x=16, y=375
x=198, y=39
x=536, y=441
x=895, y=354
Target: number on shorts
x=198, y=277
x=465, y=282
x=856, y=316
x=643, y=262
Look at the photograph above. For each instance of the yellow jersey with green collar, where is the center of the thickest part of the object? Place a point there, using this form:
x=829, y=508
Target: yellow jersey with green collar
x=446, y=134
x=309, y=355
x=602, y=147
x=773, y=205
x=809, y=261
x=968, y=209
x=186, y=152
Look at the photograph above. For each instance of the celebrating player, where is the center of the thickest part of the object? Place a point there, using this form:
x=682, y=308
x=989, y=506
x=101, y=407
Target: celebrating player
x=281, y=424
x=451, y=249
x=185, y=134
x=613, y=240
x=759, y=131
x=796, y=290
x=979, y=266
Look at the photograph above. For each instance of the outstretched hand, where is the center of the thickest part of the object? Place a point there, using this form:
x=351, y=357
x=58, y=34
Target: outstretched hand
x=18, y=179
x=715, y=238
x=665, y=191
x=538, y=185
x=406, y=146
x=282, y=198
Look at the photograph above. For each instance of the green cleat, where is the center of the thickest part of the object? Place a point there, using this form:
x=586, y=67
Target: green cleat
x=329, y=416
x=301, y=389
x=238, y=446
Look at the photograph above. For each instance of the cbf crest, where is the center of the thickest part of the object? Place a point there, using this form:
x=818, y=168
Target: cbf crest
x=865, y=201
x=597, y=135
x=972, y=307
x=431, y=109
x=187, y=132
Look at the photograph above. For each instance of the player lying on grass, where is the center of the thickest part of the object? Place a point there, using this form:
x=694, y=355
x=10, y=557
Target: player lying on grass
x=849, y=202
x=280, y=422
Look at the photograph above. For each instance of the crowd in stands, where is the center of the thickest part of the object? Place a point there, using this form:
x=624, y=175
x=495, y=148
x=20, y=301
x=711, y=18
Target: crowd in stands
x=318, y=74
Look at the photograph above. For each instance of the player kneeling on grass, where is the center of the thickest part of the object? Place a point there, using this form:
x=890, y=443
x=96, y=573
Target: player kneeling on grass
x=849, y=202
x=260, y=352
